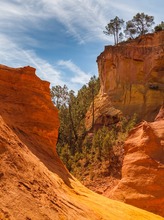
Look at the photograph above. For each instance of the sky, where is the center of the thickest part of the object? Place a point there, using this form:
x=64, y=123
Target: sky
x=62, y=38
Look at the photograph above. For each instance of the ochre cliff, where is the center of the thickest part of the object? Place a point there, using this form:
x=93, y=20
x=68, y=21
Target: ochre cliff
x=26, y=106
x=33, y=181
x=142, y=182
x=131, y=78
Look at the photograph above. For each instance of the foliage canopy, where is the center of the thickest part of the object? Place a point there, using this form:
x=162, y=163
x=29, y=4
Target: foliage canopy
x=114, y=28
x=72, y=110
x=139, y=25
x=75, y=146
x=159, y=27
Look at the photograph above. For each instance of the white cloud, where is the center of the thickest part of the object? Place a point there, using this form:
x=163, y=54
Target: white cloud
x=86, y=19
x=83, y=19
x=11, y=53
x=16, y=56
x=79, y=76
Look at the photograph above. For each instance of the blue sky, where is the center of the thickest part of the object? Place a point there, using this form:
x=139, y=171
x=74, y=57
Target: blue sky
x=62, y=38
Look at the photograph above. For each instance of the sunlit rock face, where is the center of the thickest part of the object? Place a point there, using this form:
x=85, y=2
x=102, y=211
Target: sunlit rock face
x=34, y=184
x=132, y=77
x=142, y=180
x=26, y=105
x=104, y=113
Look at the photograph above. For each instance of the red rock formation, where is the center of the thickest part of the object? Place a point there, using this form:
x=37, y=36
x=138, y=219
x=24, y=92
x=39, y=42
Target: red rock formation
x=132, y=78
x=160, y=115
x=142, y=183
x=33, y=181
x=25, y=104
x=104, y=113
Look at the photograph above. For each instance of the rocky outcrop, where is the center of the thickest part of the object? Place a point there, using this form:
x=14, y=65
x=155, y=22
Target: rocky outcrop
x=104, y=113
x=34, y=184
x=160, y=115
x=132, y=78
x=142, y=180
x=26, y=105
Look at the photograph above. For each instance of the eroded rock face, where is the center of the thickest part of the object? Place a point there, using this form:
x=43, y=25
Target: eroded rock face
x=132, y=76
x=105, y=114
x=26, y=105
x=34, y=184
x=160, y=115
x=142, y=180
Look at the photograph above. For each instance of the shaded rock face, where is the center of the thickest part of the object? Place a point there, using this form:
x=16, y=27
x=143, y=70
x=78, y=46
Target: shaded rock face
x=104, y=113
x=132, y=76
x=142, y=180
x=34, y=184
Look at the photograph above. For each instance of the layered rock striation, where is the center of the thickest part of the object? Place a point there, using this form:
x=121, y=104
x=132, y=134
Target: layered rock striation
x=26, y=106
x=131, y=78
x=142, y=180
x=34, y=184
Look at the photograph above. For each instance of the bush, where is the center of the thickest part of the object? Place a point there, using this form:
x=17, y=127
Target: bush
x=105, y=145
x=98, y=140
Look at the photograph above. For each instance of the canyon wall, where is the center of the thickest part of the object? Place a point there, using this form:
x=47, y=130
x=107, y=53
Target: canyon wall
x=26, y=106
x=142, y=180
x=34, y=184
x=131, y=78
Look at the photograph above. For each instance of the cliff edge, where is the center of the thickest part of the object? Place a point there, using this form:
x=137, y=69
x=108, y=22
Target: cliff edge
x=131, y=79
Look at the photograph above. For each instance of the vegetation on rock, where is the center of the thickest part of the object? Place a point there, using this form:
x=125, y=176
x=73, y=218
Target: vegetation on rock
x=72, y=110
x=114, y=28
x=139, y=25
x=159, y=27
x=78, y=149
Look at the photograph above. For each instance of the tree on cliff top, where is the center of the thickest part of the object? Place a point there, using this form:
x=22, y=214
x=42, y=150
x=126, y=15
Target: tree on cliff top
x=114, y=28
x=159, y=27
x=139, y=25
